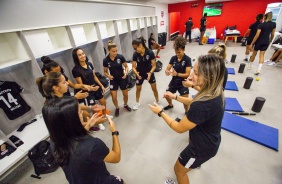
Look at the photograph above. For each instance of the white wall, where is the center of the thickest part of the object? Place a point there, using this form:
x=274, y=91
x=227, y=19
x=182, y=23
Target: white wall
x=159, y=9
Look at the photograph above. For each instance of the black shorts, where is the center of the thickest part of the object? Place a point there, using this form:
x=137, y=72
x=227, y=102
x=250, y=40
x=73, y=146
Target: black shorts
x=189, y=161
x=114, y=84
x=181, y=90
x=261, y=46
x=115, y=180
x=249, y=41
x=140, y=82
x=92, y=96
x=202, y=29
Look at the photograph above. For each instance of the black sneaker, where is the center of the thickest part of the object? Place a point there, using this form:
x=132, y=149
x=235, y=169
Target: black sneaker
x=177, y=119
x=168, y=107
x=246, y=59
x=126, y=107
x=117, y=112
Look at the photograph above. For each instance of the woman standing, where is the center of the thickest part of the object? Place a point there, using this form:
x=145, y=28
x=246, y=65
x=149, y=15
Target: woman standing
x=179, y=68
x=204, y=117
x=83, y=72
x=81, y=156
x=115, y=63
x=262, y=41
x=252, y=30
x=143, y=65
x=153, y=45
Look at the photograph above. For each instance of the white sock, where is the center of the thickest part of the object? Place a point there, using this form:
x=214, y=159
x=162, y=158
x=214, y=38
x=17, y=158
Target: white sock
x=247, y=56
x=259, y=68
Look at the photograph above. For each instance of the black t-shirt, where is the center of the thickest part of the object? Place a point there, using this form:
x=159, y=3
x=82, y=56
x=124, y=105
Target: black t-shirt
x=116, y=66
x=189, y=25
x=11, y=101
x=205, y=136
x=179, y=67
x=86, y=165
x=266, y=28
x=144, y=64
x=86, y=74
x=151, y=42
x=202, y=21
x=253, y=27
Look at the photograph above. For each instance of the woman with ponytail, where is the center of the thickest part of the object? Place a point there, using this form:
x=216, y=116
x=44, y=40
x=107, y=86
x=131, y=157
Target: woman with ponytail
x=143, y=65
x=204, y=117
x=114, y=63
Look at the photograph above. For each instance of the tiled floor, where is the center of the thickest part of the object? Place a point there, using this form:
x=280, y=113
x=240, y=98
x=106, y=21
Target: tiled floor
x=150, y=148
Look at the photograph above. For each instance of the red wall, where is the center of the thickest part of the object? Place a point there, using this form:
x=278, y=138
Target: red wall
x=237, y=12
x=174, y=19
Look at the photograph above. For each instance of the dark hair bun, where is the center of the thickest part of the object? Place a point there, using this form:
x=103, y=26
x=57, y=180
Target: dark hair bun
x=45, y=59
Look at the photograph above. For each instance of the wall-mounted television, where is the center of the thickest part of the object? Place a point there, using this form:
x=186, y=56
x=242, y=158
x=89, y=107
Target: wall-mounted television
x=213, y=9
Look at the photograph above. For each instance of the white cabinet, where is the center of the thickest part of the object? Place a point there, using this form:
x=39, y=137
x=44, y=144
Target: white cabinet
x=154, y=20
x=141, y=23
x=83, y=34
x=122, y=26
x=12, y=50
x=107, y=29
x=133, y=24
x=148, y=21
x=47, y=41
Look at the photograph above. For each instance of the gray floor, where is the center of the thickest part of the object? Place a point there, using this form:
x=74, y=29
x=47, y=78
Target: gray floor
x=150, y=148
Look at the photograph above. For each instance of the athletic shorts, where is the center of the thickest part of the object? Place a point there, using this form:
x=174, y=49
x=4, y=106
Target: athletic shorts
x=116, y=180
x=189, y=161
x=181, y=90
x=261, y=47
x=202, y=29
x=249, y=41
x=114, y=84
x=92, y=96
x=140, y=82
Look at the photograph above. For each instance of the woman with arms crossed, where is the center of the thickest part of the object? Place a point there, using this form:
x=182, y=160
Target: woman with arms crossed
x=81, y=156
x=117, y=76
x=204, y=117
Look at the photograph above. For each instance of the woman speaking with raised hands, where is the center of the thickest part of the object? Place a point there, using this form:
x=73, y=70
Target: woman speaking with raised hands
x=204, y=117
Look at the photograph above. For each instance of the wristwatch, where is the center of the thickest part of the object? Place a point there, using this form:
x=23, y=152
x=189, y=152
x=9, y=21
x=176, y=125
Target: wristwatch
x=160, y=113
x=115, y=133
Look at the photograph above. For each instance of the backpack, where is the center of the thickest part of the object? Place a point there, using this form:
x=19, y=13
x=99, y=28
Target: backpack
x=104, y=81
x=42, y=159
x=159, y=66
x=131, y=79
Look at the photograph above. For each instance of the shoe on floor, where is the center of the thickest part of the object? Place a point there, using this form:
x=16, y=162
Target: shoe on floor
x=272, y=64
x=158, y=57
x=117, y=112
x=177, y=119
x=246, y=59
x=101, y=126
x=267, y=61
x=126, y=107
x=168, y=107
x=94, y=129
x=257, y=72
x=201, y=44
x=169, y=181
x=135, y=107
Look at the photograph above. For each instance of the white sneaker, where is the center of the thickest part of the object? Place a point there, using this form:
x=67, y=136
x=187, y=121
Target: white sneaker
x=272, y=64
x=257, y=72
x=107, y=115
x=135, y=107
x=249, y=66
x=266, y=61
x=169, y=181
x=101, y=126
x=160, y=105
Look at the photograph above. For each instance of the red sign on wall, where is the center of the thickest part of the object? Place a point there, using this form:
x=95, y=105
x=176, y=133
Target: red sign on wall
x=194, y=5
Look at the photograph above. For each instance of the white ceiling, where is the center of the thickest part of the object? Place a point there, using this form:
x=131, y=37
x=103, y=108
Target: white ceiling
x=150, y=1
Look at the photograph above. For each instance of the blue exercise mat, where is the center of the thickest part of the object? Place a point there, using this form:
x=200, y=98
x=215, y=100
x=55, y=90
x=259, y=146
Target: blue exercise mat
x=231, y=85
x=231, y=70
x=254, y=131
x=232, y=104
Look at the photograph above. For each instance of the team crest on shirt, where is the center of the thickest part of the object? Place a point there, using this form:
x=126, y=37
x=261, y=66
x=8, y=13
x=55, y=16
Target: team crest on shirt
x=111, y=86
x=183, y=63
x=109, y=65
x=147, y=57
x=138, y=60
x=118, y=61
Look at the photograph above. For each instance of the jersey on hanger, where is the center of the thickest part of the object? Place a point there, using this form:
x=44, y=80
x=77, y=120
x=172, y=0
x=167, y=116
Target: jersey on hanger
x=11, y=101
